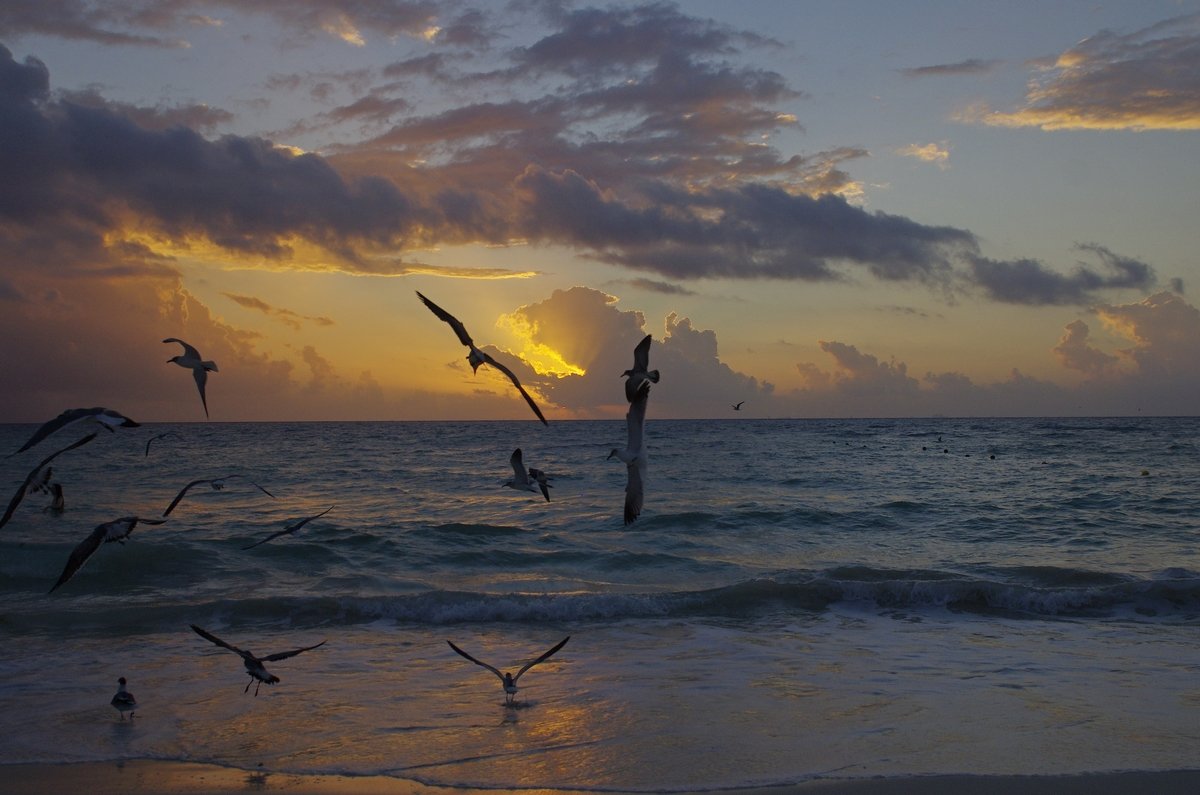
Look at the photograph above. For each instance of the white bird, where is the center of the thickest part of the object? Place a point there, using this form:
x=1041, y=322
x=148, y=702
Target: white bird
x=290, y=528
x=527, y=480
x=27, y=488
x=117, y=530
x=216, y=483
x=254, y=665
x=477, y=357
x=508, y=680
x=200, y=369
x=639, y=374
x=105, y=418
x=124, y=701
x=634, y=454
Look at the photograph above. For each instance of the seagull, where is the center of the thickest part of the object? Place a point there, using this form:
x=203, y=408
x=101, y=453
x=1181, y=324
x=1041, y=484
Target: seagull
x=530, y=480
x=639, y=374
x=124, y=701
x=291, y=528
x=477, y=357
x=153, y=439
x=24, y=488
x=216, y=483
x=200, y=369
x=106, y=418
x=634, y=454
x=58, y=503
x=254, y=665
x=117, y=530
x=738, y=406
x=507, y=679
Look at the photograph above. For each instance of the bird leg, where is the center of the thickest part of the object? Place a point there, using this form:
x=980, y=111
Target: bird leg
x=247, y=690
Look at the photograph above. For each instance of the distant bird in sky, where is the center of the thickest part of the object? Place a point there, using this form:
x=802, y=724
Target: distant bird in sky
x=24, y=488
x=738, y=406
x=640, y=373
x=153, y=439
x=105, y=418
x=217, y=484
x=477, y=357
x=254, y=665
x=527, y=480
x=117, y=530
x=508, y=680
x=293, y=527
x=124, y=701
x=200, y=369
x=634, y=454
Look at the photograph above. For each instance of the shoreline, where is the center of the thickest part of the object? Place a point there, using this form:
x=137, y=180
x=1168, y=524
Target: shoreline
x=149, y=777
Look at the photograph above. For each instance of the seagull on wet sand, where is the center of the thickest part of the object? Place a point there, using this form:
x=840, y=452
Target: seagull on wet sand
x=508, y=680
x=24, y=488
x=639, y=374
x=634, y=454
x=527, y=480
x=217, y=485
x=117, y=530
x=477, y=357
x=124, y=701
x=192, y=360
x=254, y=665
x=105, y=418
x=291, y=528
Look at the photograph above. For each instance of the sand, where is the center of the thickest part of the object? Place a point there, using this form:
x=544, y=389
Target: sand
x=143, y=777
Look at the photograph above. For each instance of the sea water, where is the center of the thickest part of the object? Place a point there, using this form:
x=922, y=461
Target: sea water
x=798, y=600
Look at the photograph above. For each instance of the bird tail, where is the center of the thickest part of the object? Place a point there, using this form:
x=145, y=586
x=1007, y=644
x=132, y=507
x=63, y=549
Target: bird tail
x=210, y=366
x=653, y=375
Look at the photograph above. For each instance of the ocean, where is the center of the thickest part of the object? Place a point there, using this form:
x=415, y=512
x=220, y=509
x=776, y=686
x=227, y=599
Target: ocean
x=799, y=600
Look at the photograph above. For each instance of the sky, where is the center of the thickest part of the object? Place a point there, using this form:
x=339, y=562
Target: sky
x=822, y=209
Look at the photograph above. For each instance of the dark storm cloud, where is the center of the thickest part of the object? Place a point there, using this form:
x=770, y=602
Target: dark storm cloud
x=1027, y=281
x=971, y=66
x=160, y=117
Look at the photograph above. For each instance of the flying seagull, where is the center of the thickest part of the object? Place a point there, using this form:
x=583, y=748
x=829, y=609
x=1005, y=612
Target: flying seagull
x=254, y=665
x=105, y=418
x=25, y=487
x=216, y=483
x=124, y=701
x=290, y=528
x=507, y=679
x=639, y=374
x=153, y=439
x=634, y=454
x=117, y=530
x=200, y=369
x=738, y=406
x=527, y=480
x=477, y=357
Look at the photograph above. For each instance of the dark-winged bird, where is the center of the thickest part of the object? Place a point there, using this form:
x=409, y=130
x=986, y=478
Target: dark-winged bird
x=527, y=479
x=640, y=373
x=634, y=454
x=293, y=527
x=254, y=665
x=124, y=701
x=508, y=680
x=192, y=360
x=217, y=485
x=28, y=486
x=105, y=418
x=117, y=530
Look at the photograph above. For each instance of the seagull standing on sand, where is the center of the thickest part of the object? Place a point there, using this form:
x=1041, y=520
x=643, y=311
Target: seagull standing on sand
x=639, y=374
x=124, y=701
x=254, y=665
x=508, y=680
x=200, y=369
x=527, y=480
x=634, y=454
x=26, y=487
x=290, y=528
x=477, y=357
x=105, y=418
x=117, y=530
x=216, y=483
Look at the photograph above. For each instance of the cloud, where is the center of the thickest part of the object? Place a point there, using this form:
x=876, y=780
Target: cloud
x=287, y=316
x=1029, y=282
x=971, y=66
x=653, y=286
x=1145, y=80
x=1074, y=351
x=937, y=154
x=1165, y=330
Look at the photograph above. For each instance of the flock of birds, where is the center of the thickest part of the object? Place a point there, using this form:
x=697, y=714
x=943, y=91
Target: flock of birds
x=40, y=479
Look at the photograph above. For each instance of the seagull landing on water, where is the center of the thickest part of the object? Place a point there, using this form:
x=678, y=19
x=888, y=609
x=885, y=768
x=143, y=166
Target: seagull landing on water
x=254, y=665
x=634, y=454
x=27, y=487
x=200, y=369
x=508, y=680
x=738, y=406
x=117, y=530
x=124, y=701
x=477, y=357
x=293, y=527
x=105, y=418
x=639, y=374
x=527, y=479
x=216, y=483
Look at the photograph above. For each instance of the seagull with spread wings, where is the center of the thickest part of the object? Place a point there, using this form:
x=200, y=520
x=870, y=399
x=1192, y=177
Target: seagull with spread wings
x=192, y=360
x=507, y=679
x=254, y=664
x=30, y=485
x=640, y=373
x=217, y=485
x=293, y=527
x=634, y=454
x=527, y=479
x=117, y=530
x=105, y=418
x=477, y=357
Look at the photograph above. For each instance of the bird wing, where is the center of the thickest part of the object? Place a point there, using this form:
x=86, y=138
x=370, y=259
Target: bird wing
x=496, y=671
x=518, y=467
x=283, y=655
x=214, y=639
x=634, y=491
x=543, y=658
x=255, y=485
x=80, y=554
x=290, y=528
x=641, y=355
x=635, y=418
x=512, y=377
x=16, y=500
x=201, y=376
x=182, y=492
x=188, y=351
x=61, y=421
x=454, y=322
x=542, y=481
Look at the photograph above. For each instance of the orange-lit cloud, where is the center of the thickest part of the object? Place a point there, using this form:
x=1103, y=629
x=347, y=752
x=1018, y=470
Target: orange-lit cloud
x=936, y=153
x=287, y=316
